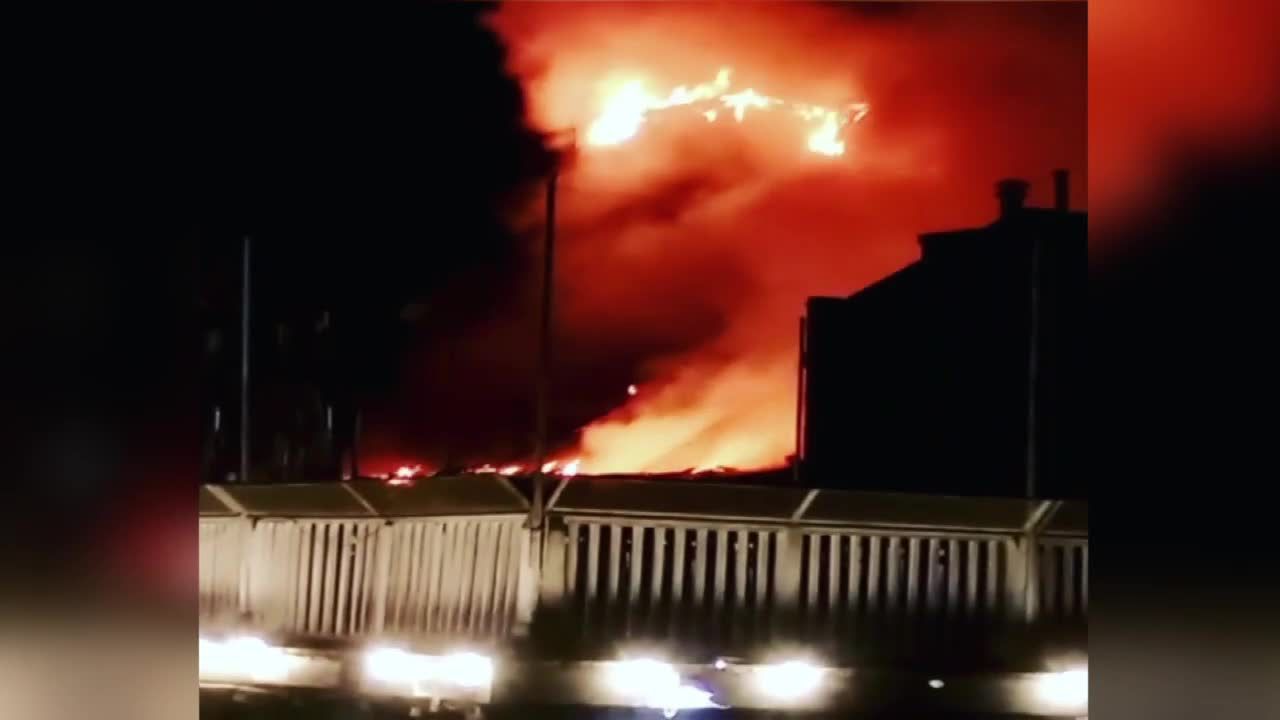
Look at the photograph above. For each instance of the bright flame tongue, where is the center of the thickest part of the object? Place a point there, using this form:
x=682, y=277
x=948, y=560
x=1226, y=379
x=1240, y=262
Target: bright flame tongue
x=626, y=108
x=623, y=115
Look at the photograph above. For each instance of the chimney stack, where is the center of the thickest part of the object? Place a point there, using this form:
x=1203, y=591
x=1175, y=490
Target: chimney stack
x=1061, y=197
x=1013, y=196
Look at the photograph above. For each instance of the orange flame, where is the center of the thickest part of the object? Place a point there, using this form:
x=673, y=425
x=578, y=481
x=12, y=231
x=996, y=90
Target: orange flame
x=404, y=475
x=626, y=107
x=551, y=467
x=681, y=426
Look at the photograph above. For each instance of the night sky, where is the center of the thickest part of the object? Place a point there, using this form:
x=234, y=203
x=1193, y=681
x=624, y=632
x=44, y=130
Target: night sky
x=389, y=169
x=148, y=140
x=163, y=136
x=388, y=164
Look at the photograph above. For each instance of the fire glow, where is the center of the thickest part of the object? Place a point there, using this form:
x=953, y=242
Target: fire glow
x=727, y=171
x=627, y=107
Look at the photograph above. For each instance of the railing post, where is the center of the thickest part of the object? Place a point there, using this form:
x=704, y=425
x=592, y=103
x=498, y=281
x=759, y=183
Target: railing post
x=247, y=548
x=528, y=581
x=1030, y=542
x=1020, y=580
x=551, y=583
x=788, y=576
x=1031, y=556
x=788, y=573
x=381, y=573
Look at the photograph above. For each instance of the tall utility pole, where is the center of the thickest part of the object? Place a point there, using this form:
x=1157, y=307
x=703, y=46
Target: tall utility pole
x=544, y=349
x=244, y=368
x=544, y=335
x=1033, y=371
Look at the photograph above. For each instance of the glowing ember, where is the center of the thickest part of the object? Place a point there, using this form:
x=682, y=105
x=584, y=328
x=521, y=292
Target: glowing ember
x=627, y=107
x=632, y=390
x=551, y=467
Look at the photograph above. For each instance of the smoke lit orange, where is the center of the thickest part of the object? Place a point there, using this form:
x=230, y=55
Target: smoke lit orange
x=704, y=209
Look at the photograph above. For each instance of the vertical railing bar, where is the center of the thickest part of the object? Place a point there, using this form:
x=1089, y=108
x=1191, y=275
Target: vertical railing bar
x=993, y=549
x=316, y=577
x=933, y=576
x=636, y=534
x=346, y=543
x=892, y=568
x=657, y=590
x=739, y=618
x=593, y=570
x=719, y=578
x=874, y=579
x=614, y=568
x=913, y=572
x=677, y=579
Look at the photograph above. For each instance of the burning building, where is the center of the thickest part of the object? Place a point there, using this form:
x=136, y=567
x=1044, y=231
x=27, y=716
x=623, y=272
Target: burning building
x=959, y=373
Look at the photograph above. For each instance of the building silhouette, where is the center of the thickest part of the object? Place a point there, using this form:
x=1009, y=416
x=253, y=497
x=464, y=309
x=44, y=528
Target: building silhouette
x=960, y=373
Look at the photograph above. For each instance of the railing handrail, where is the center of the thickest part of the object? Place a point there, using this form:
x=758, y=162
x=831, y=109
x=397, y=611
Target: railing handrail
x=648, y=499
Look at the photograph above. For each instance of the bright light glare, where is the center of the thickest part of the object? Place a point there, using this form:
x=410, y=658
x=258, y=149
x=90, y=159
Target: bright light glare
x=682, y=697
x=655, y=684
x=395, y=666
x=413, y=671
x=1068, y=689
x=788, y=680
x=469, y=670
x=936, y=684
x=245, y=657
x=641, y=677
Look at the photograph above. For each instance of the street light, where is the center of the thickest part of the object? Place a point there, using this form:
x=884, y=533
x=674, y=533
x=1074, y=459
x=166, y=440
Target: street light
x=564, y=144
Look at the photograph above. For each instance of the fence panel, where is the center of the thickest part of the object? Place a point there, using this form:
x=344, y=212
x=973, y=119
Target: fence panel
x=318, y=577
x=866, y=578
x=222, y=547
x=1064, y=578
x=665, y=580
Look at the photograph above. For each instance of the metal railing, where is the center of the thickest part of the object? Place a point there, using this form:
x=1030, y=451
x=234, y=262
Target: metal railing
x=623, y=561
x=419, y=577
x=1064, y=577
x=669, y=579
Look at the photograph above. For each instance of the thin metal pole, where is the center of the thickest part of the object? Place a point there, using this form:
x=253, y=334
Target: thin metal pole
x=1033, y=370
x=244, y=368
x=544, y=350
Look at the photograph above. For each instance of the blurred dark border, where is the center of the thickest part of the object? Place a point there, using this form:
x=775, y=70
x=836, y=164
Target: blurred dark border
x=101, y=398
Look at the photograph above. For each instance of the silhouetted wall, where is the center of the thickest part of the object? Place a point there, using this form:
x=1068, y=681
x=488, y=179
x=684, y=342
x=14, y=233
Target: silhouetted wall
x=921, y=382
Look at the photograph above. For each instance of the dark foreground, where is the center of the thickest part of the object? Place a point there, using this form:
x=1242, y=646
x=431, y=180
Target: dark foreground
x=241, y=705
